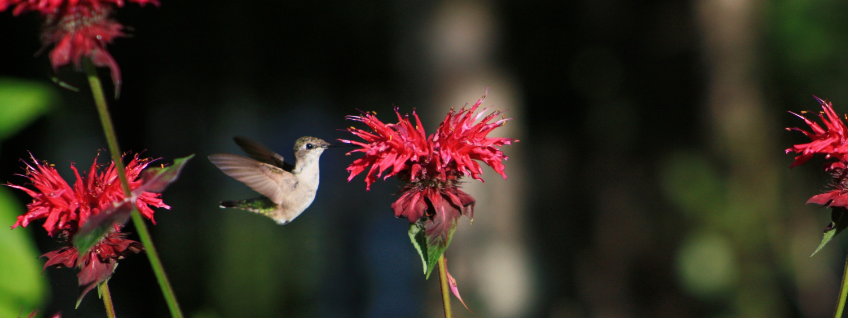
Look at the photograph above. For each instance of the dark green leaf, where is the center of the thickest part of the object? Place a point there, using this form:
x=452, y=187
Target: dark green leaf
x=99, y=225
x=156, y=179
x=839, y=222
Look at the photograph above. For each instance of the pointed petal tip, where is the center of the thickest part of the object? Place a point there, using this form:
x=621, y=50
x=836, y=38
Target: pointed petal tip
x=453, y=287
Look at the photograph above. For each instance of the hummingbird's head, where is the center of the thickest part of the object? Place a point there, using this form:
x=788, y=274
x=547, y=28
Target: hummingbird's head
x=307, y=147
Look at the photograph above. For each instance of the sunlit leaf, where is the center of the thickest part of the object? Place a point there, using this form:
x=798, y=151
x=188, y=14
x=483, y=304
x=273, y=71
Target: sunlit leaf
x=429, y=250
x=419, y=241
x=838, y=223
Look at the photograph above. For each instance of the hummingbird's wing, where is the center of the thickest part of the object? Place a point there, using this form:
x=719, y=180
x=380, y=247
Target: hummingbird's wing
x=267, y=179
x=261, y=153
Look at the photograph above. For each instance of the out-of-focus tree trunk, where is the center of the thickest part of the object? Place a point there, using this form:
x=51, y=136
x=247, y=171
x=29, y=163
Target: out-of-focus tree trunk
x=456, y=61
x=741, y=126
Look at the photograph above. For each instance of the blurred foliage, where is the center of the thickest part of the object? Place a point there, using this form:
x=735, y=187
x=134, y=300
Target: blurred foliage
x=21, y=101
x=693, y=184
x=707, y=265
x=21, y=282
x=806, y=44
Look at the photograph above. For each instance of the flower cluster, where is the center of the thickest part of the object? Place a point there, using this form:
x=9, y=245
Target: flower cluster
x=53, y=7
x=430, y=166
x=830, y=141
x=77, y=28
x=66, y=210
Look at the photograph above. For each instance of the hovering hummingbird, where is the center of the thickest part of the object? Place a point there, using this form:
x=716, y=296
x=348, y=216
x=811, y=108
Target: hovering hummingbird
x=286, y=189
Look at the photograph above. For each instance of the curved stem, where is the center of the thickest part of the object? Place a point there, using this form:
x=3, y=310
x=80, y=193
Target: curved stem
x=443, y=279
x=138, y=221
x=107, y=299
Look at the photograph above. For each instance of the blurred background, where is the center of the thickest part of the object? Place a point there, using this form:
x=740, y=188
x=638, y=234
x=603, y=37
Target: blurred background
x=650, y=179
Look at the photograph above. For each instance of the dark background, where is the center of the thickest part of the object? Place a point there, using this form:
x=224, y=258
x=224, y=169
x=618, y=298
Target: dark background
x=650, y=179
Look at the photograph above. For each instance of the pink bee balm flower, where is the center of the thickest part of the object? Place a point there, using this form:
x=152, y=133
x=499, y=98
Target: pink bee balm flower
x=50, y=7
x=830, y=141
x=431, y=165
x=81, y=32
x=78, y=29
x=99, y=263
x=66, y=208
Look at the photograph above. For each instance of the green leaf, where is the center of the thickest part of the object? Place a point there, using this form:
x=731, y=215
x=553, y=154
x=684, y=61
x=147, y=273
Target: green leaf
x=156, y=179
x=22, y=286
x=419, y=240
x=21, y=101
x=839, y=222
x=430, y=250
x=99, y=225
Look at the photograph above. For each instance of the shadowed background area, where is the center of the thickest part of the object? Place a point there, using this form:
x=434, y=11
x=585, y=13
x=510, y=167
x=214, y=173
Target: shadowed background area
x=650, y=179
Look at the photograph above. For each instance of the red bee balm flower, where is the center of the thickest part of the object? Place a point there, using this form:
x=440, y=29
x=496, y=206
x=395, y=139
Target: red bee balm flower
x=50, y=7
x=99, y=263
x=66, y=208
x=831, y=142
x=430, y=166
x=78, y=28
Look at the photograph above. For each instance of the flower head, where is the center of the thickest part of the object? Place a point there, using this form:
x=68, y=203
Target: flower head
x=51, y=7
x=83, y=31
x=66, y=208
x=830, y=141
x=448, y=154
x=99, y=263
x=439, y=204
x=78, y=29
x=431, y=165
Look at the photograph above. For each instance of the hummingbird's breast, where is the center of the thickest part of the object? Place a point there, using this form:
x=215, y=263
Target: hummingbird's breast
x=302, y=192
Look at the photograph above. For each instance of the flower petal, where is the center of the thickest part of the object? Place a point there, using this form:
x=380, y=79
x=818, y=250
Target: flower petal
x=454, y=289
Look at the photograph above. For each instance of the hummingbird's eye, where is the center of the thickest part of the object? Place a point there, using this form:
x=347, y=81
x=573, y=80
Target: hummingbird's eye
x=309, y=146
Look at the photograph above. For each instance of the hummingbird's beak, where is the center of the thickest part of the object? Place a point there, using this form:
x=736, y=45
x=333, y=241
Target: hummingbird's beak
x=336, y=145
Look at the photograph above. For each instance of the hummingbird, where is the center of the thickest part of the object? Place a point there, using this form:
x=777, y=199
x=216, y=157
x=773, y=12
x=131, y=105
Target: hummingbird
x=286, y=189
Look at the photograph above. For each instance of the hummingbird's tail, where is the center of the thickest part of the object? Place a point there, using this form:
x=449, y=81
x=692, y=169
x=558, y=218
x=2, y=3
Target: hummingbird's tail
x=261, y=205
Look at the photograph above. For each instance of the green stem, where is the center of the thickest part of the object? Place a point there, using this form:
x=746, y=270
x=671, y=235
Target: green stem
x=842, y=292
x=138, y=221
x=107, y=299
x=443, y=279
